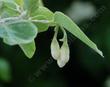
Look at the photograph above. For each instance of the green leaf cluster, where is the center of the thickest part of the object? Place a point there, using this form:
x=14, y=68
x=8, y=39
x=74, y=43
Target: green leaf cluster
x=22, y=20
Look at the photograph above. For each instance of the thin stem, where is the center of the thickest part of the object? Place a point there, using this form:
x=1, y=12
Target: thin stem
x=40, y=21
x=56, y=30
x=5, y=20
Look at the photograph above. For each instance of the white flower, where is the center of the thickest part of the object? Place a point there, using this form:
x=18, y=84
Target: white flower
x=64, y=55
x=55, y=48
x=61, y=55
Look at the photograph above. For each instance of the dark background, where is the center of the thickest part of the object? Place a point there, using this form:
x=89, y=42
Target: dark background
x=85, y=68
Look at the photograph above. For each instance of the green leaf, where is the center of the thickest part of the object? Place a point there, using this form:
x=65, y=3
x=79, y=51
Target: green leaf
x=5, y=72
x=18, y=32
x=41, y=26
x=68, y=24
x=7, y=9
x=8, y=1
x=44, y=12
x=31, y=5
x=29, y=49
x=20, y=2
x=1, y=7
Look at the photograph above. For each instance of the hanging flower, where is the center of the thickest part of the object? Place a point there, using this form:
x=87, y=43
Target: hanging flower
x=55, y=48
x=64, y=52
x=61, y=55
x=64, y=55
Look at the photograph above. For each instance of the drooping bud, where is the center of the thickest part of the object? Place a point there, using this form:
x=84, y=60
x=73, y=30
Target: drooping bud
x=64, y=52
x=64, y=55
x=55, y=48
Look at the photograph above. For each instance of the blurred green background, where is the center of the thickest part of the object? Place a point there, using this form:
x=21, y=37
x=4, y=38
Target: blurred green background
x=85, y=68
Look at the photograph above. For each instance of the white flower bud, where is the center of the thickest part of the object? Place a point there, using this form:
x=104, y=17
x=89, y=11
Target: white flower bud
x=60, y=54
x=55, y=48
x=64, y=51
x=64, y=55
x=61, y=63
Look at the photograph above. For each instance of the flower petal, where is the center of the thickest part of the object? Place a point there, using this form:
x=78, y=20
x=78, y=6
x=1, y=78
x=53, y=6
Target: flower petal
x=55, y=48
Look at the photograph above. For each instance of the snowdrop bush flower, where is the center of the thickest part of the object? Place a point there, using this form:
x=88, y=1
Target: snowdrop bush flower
x=64, y=52
x=61, y=55
x=55, y=48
